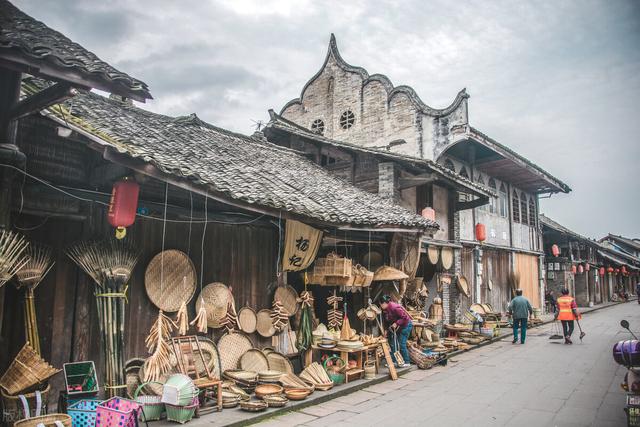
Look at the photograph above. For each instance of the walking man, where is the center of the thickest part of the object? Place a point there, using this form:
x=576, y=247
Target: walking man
x=520, y=310
x=567, y=313
x=398, y=322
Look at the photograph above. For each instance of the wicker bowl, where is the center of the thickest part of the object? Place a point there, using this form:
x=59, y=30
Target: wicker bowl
x=268, y=389
x=297, y=393
x=254, y=406
x=276, y=400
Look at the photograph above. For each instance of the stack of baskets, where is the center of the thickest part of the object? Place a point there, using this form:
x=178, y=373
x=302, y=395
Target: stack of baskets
x=180, y=395
x=152, y=406
x=117, y=412
x=332, y=270
x=83, y=412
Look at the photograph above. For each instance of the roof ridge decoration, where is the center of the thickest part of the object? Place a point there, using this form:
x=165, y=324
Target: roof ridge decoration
x=391, y=90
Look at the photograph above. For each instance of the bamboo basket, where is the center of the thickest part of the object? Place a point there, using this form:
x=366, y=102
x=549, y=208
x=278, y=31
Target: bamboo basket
x=27, y=370
x=152, y=406
x=216, y=301
x=264, y=325
x=179, y=280
x=13, y=407
x=288, y=297
x=182, y=414
x=332, y=265
x=231, y=347
x=247, y=320
x=279, y=362
x=253, y=360
x=45, y=420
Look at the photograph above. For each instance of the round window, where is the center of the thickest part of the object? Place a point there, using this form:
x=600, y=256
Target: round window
x=318, y=126
x=347, y=119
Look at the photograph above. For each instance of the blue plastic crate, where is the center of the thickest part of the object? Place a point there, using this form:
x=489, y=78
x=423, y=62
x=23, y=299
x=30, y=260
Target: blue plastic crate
x=83, y=413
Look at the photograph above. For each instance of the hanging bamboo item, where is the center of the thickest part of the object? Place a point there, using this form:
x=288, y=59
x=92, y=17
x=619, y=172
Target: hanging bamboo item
x=200, y=321
x=12, y=254
x=334, y=316
x=157, y=343
x=109, y=263
x=29, y=277
x=304, y=337
x=345, y=332
x=230, y=320
x=279, y=316
x=182, y=317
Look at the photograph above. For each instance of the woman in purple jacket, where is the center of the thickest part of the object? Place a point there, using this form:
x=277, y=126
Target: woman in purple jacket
x=398, y=321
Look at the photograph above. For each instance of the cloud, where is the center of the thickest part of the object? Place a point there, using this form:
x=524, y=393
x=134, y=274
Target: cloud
x=556, y=81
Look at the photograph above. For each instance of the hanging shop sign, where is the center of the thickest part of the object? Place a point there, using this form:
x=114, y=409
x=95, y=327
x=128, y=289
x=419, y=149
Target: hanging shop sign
x=301, y=244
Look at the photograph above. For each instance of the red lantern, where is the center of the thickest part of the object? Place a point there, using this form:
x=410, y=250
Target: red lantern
x=573, y=269
x=123, y=205
x=617, y=271
x=587, y=266
x=609, y=269
x=555, y=250
x=623, y=269
x=601, y=271
x=429, y=213
x=580, y=269
x=481, y=232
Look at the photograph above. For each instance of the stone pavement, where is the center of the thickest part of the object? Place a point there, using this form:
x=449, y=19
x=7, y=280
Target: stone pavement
x=541, y=383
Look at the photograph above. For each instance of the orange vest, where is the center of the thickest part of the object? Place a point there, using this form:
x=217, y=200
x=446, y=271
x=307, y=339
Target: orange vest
x=564, y=305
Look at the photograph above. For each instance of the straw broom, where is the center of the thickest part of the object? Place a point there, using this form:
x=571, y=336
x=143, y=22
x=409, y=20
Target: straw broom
x=12, y=254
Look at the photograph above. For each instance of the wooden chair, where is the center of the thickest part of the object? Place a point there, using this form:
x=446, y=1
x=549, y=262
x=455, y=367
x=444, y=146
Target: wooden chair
x=210, y=387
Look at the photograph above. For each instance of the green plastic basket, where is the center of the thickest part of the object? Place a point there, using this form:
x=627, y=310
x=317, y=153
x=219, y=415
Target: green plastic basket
x=151, y=405
x=182, y=414
x=336, y=378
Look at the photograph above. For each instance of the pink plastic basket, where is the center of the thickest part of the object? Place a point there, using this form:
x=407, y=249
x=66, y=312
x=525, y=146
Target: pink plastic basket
x=117, y=412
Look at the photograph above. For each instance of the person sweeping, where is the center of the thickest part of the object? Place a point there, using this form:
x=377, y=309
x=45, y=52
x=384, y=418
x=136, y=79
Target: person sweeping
x=567, y=313
x=399, y=324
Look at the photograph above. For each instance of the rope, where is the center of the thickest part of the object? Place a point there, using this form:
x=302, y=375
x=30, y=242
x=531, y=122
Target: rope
x=190, y=223
x=279, y=243
x=164, y=229
x=204, y=232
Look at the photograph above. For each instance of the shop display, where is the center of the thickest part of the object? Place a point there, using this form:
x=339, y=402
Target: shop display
x=200, y=321
x=446, y=258
x=13, y=255
x=117, y=411
x=83, y=412
x=285, y=341
x=268, y=377
x=386, y=273
x=182, y=414
x=109, y=263
x=81, y=379
x=178, y=390
x=170, y=280
x=29, y=277
x=463, y=285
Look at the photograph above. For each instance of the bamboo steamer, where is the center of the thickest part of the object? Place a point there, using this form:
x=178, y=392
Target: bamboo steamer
x=170, y=279
x=216, y=301
x=433, y=254
x=288, y=297
x=247, y=320
x=446, y=257
x=264, y=325
x=463, y=285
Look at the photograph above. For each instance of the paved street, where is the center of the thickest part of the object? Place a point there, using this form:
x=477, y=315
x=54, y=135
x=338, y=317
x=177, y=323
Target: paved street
x=543, y=383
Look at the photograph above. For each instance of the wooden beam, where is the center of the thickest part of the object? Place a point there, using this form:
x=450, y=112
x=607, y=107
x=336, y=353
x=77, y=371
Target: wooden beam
x=41, y=100
x=461, y=206
x=416, y=180
x=107, y=173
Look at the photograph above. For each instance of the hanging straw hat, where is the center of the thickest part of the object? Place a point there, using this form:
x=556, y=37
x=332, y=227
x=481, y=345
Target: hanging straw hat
x=388, y=273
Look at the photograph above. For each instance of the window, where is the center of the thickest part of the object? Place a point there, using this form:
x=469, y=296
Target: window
x=347, y=119
x=524, y=216
x=515, y=201
x=464, y=173
x=480, y=181
x=493, y=202
x=532, y=211
x=318, y=127
x=502, y=201
x=449, y=165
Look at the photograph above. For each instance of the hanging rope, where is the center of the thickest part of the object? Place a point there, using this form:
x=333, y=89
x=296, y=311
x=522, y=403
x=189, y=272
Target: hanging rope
x=164, y=232
x=190, y=223
x=279, y=243
x=204, y=233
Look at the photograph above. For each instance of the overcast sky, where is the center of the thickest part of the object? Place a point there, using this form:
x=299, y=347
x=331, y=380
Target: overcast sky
x=557, y=81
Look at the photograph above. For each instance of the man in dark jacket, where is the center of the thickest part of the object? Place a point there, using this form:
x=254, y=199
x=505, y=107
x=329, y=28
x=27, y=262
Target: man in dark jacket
x=520, y=309
x=398, y=321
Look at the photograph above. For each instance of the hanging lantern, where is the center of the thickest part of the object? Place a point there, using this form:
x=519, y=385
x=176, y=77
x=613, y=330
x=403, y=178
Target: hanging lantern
x=123, y=205
x=587, y=266
x=617, y=271
x=481, y=232
x=623, y=269
x=555, y=250
x=580, y=269
x=429, y=213
x=601, y=271
x=573, y=268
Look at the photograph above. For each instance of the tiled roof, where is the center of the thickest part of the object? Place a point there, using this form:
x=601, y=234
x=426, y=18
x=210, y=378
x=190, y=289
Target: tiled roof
x=624, y=240
x=548, y=222
x=29, y=42
x=278, y=122
x=236, y=167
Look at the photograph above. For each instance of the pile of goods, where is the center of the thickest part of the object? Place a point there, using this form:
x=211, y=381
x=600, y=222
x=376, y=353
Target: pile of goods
x=316, y=375
x=423, y=359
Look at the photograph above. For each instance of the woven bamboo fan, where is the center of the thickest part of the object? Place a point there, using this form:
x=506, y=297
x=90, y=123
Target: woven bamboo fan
x=247, y=320
x=288, y=297
x=178, y=285
x=433, y=254
x=446, y=256
x=216, y=301
x=463, y=285
x=279, y=362
x=231, y=347
x=264, y=325
x=253, y=360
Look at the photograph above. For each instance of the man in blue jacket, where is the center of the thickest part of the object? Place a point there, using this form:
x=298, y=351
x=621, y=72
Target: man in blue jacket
x=520, y=309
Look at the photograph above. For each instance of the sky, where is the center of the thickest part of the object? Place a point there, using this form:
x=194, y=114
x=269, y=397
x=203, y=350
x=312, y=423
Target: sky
x=557, y=81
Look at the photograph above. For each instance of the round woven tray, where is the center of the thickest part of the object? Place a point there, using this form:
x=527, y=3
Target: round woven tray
x=179, y=280
x=279, y=362
x=153, y=387
x=231, y=347
x=288, y=297
x=446, y=257
x=264, y=326
x=463, y=285
x=210, y=354
x=216, y=302
x=253, y=360
x=247, y=320
x=433, y=254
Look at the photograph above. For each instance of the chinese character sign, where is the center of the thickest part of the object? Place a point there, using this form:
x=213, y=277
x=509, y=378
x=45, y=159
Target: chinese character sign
x=301, y=244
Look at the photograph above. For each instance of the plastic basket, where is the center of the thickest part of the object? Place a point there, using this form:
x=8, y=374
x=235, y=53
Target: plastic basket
x=83, y=413
x=182, y=414
x=117, y=412
x=336, y=377
x=80, y=378
x=152, y=407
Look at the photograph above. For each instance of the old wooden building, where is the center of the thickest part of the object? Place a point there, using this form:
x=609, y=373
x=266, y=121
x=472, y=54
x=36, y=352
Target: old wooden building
x=345, y=105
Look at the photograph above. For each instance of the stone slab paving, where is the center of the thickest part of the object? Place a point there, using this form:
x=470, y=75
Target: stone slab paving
x=541, y=383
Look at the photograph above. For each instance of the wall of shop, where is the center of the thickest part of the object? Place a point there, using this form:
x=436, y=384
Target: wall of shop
x=495, y=268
